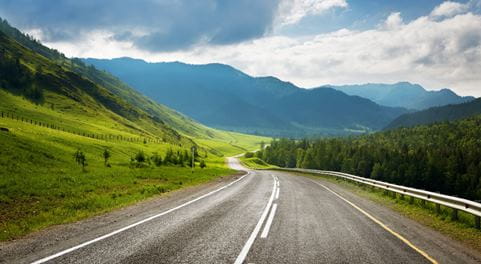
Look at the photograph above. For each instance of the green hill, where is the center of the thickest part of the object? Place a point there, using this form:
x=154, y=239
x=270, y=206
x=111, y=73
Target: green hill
x=53, y=108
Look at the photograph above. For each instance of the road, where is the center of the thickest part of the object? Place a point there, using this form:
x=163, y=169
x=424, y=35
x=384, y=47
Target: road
x=261, y=217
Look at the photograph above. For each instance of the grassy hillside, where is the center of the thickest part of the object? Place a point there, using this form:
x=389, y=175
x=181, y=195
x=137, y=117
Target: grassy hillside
x=52, y=108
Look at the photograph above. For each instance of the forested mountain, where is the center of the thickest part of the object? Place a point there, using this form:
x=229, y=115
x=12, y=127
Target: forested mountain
x=444, y=157
x=438, y=114
x=403, y=94
x=223, y=97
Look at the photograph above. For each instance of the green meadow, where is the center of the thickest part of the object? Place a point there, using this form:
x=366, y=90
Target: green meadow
x=41, y=184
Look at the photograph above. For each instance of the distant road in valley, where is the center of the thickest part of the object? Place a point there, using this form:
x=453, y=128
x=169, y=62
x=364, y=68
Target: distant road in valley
x=259, y=217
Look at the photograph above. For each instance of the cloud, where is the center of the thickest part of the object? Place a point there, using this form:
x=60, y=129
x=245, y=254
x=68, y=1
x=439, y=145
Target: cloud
x=449, y=9
x=393, y=21
x=154, y=25
x=291, y=11
x=435, y=51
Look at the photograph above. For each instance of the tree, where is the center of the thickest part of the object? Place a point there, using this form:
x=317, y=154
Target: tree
x=81, y=159
x=157, y=159
x=140, y=157
x=107, y=156
x=202, y=164
x=249, y=155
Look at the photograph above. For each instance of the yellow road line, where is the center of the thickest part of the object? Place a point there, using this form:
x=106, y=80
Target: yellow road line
x=403, y=239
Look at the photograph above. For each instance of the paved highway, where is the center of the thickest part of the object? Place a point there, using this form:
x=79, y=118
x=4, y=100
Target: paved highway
x=260, y=217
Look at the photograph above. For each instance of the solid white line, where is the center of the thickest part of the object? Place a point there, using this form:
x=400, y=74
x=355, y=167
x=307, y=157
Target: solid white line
x=400, y=237
x=267, y=227
x=243, y=254
x=277, y=192
x=133, y=225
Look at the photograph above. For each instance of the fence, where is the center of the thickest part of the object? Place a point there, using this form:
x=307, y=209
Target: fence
x=105, y=137
x=438, y=199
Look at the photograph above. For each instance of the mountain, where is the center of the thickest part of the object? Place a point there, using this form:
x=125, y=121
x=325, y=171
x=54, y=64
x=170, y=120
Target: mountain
x=223, y=97
x=48, y=78
x=403, y=94
x=438, y=114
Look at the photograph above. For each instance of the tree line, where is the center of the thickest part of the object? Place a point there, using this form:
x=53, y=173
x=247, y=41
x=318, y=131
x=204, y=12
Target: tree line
x=443, y=157
x=142, y=160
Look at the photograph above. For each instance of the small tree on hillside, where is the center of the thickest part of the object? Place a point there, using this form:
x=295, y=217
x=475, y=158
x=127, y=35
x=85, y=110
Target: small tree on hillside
x=80, y=158
x=107, y=156
x=202, y=164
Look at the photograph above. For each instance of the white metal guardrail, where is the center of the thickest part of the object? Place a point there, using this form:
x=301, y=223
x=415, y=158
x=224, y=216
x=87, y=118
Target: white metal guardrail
x=454, y=203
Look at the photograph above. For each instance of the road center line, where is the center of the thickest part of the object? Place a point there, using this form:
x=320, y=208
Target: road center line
x=267, y=227
x=243, y=254
x=400, y=237
x=61, y=253
x=277, y=192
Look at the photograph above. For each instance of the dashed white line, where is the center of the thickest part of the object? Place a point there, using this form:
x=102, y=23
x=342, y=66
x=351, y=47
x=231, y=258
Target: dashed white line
x=277, y=193
x=267, y=227
x=243, y=254
x=61, y=253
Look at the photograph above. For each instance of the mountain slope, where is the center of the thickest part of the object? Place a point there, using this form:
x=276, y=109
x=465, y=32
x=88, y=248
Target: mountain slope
x=403, y=94
x=223, y=97
x=438, y=114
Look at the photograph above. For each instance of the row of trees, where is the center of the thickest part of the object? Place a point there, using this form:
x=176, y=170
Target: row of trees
x=444, y=157
x=141, y=159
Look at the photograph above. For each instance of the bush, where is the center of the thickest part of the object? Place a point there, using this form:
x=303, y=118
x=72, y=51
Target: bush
x=249, y=155
x=202, y=164
x=156, y=159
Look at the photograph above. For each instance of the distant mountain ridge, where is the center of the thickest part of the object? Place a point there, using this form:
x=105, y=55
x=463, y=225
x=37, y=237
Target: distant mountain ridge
x=403, y=94
x=438, y=114
x=221, y=96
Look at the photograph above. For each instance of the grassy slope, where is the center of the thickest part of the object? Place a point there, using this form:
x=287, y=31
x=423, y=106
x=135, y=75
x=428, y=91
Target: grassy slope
x=256, y=163
x=40, y=184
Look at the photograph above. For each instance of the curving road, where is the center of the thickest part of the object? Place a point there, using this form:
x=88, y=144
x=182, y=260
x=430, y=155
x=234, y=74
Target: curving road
x=261, y=217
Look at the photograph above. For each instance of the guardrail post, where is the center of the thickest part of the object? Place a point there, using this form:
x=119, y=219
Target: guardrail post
x=401, y=196
x=411, y=200
x=438, y=208
x=454, y=215
x=477, y=222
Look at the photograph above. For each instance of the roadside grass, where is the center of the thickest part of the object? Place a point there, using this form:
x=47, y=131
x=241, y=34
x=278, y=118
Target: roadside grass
x=462, y=230
x=41, y=185
x=255, y=163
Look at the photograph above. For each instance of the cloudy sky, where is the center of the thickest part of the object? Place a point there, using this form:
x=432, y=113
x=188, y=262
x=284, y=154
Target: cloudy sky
x=308, y=42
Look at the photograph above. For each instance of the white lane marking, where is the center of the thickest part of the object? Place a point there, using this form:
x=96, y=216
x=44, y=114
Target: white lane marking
x=400, y=237
x=277, y=192
x=267, y=227
x=243, y=254
x=43, y=260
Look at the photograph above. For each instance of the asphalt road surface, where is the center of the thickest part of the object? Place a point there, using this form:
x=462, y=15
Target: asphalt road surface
x=260, y=217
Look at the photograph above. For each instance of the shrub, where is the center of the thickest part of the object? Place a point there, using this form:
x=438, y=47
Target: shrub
x=249, y=155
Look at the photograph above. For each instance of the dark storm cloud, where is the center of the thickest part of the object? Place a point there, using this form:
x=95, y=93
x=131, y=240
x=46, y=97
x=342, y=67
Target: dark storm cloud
x=165, y=24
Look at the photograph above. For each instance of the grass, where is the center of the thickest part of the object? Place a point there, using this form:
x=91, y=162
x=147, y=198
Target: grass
x=41, y=185
x=256, y=163
x=462, y=230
